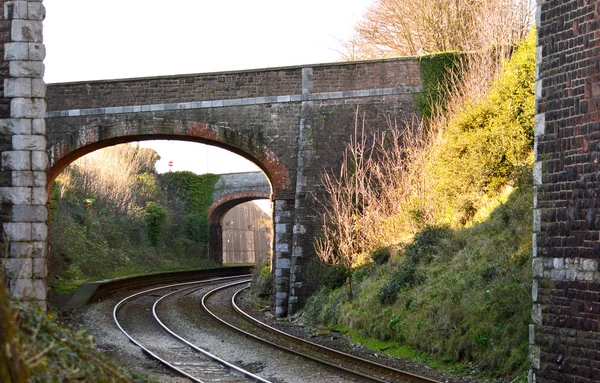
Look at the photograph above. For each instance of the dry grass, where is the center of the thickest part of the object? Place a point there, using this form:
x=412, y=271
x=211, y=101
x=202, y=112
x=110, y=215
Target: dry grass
x=111, y=174
x=375, y=200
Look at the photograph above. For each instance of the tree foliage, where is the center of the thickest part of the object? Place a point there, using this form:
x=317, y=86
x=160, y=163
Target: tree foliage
x=414, y=27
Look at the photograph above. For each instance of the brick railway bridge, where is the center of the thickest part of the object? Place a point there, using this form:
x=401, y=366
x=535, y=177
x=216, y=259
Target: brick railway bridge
x=293, y=123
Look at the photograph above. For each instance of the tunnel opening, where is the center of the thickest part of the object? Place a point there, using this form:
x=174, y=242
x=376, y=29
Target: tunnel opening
x=113, y=214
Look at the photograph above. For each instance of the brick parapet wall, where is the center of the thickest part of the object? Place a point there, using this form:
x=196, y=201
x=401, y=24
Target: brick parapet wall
x=23, y=161
x=337, y=77
x=564, y=336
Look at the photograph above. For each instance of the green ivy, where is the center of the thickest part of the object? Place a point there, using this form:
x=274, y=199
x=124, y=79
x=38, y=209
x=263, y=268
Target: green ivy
x=196, y=193
x=156, y=217
x=436, y=72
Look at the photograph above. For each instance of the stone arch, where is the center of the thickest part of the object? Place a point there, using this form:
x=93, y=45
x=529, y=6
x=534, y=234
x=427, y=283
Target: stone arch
x=100, y=135
x=93, y=137
x=216, y=213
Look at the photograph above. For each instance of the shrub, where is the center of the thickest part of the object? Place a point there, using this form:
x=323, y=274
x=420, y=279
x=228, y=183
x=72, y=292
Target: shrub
x=156, y=217
x=56, y=354
x=405, y=275
x=336, y=276
x=381, y=255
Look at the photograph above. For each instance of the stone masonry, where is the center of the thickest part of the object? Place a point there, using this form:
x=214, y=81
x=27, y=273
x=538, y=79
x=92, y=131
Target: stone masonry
x=23, y=159
x=565, y=334
x=293, y=122
x=230, y=191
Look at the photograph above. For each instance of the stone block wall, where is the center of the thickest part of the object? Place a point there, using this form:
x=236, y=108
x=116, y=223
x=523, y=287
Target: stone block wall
x=565, y=337
x=23, y=159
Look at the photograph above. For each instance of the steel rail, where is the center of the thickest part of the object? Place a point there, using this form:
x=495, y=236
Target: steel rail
x=200, y=350
x=248, y=334
x=145, y=349
x=355, y=359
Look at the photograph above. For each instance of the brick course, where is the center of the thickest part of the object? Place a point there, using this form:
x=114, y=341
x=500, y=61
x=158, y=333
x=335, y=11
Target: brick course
x=565, y=340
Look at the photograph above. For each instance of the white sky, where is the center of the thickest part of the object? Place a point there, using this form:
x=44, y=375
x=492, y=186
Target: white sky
x=93, y=39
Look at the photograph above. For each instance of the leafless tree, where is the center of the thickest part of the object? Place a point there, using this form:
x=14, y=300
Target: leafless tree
x=413, y=27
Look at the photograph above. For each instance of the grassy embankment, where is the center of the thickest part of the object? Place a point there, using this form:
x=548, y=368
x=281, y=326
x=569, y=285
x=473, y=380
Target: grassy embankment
x=458, y=293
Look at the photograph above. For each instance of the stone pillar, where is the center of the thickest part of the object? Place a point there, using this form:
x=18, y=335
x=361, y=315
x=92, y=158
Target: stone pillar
x=283, y=222
x=215, y=243
x=566, y=242
x=23, y=161
x=306, y=153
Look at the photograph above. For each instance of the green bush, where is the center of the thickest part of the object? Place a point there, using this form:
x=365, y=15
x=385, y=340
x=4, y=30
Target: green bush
x=56, y=354
x=156, y=218
x=381, y=255
x=336, y=276
x=484, y=146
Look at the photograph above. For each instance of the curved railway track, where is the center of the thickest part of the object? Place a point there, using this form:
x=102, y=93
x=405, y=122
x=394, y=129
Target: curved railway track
x=365, y=370
x=166, y=346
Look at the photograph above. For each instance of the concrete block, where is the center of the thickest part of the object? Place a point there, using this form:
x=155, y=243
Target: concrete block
x=32, y=69
x=38, y=125
x=16, y=160
x=534, y=290
x=17, y=87
x=279, y=311
x=39, y=231
x=531, y=334
x=27, y=30
x=538, y=267
x=297, y=251
x=27, y=107
x=39, y=196
x=16, y=51
x=17, y=231
x=39, y=178
x=281, y=228
x=537, y=173
x=536, y=314
x=36, y=11
x=558, y=263
x=299, y=229
x=37, y=51
x=22, y=288
x=29, y=142
x=29, y=213
x=40, y=269
x=534, y=356
x=23, y=178
x=540, y=124
x=283, y=263
x=40, y=289
x=14, y=10
x=15, y=126
x=18, y=268
x=590, y=265
x=21, y=250
x=38, y=88
x=38, y=249
x=39, y=160
x=282, y=247
x=537, y=220
x=281, y=295
x=15, y=195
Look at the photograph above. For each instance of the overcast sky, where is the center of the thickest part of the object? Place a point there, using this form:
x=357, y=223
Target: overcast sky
x=92, y=39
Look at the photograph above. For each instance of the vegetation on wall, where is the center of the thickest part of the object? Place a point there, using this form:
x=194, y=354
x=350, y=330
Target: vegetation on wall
x=458, y=284
x=436, y=71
